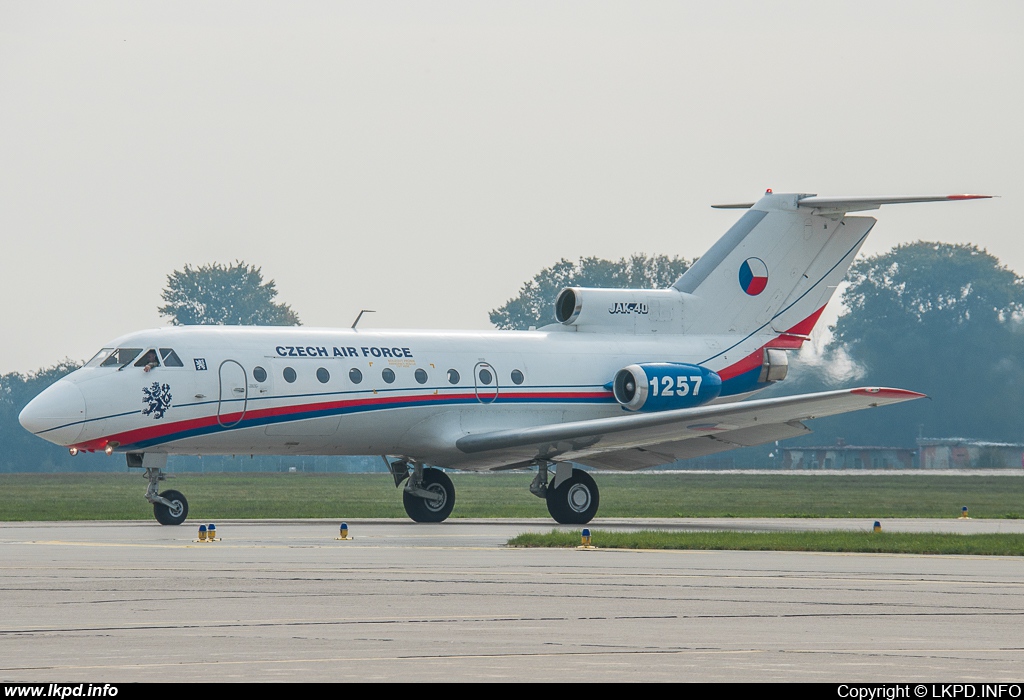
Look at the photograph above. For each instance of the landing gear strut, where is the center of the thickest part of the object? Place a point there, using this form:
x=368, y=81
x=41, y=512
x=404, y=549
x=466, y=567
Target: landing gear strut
x=169, y=507
x=429, y=494
x=572, y=496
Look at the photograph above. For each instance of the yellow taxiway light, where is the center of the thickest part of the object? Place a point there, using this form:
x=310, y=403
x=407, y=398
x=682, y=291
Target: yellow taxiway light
x=207, y=533
x=585, y=540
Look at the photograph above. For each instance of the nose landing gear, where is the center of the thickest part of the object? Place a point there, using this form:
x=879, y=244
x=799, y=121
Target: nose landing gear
x=169, y=507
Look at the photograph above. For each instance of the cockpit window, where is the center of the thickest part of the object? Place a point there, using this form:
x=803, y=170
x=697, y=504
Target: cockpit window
x=148, y=360
x=121, y=357
x=99, y=357
x=170, y=358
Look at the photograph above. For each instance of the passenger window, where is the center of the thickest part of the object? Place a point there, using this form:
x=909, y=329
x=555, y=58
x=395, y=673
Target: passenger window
x=485, y=376
x=355, y=376
x=259, y=374
x=148, y=361
x=170, y=358
x=323, y=375
x=121, y=357
x=453, y=376
x=289, y=374
x=421, y=376
x=388, y=375
x=517, y=377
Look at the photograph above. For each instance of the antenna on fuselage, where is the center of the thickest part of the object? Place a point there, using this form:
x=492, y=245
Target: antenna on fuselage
x=364, y=311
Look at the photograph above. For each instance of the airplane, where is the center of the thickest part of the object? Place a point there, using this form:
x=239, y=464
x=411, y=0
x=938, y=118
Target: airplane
x=624, y=379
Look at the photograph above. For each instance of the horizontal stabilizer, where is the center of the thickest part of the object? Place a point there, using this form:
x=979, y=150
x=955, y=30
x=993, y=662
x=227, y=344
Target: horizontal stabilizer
x=743, y=205
x=845, y=204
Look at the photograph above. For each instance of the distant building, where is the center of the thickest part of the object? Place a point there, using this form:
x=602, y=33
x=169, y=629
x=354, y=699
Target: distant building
x=843, y=456
x=932, y=453
x=963, y=453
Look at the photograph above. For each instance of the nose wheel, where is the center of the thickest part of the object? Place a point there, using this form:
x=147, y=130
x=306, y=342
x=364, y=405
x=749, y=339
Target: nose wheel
x=575, y=500
x=172, y=509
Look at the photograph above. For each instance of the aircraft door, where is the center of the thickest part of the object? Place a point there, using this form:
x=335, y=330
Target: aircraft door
x=234, y=394
x=485, y=381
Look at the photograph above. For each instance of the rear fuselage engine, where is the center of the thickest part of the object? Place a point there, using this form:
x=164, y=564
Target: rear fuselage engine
x=662, y=386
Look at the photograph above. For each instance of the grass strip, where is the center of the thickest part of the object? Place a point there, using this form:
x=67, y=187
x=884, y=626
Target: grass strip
x=213, y=496
x=820, y=541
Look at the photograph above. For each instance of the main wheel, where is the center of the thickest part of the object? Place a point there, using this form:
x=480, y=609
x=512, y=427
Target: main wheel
x=173, y=514
x=436, y=509
x=575, y=501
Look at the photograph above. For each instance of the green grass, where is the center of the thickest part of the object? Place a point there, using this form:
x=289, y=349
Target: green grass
x=236, y=495
x=827, y=541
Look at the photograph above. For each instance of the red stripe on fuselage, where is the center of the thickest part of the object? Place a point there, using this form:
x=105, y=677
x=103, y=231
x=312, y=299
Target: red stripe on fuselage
x=743, y=366
x=789, y=340
x=807, y=325
x=129, y=437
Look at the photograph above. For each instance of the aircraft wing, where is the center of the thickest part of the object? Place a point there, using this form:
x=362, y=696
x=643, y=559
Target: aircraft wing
x=636, y=441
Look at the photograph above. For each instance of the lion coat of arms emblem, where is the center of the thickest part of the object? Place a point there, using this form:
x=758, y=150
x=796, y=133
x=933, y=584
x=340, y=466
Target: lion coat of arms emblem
x=157, y=399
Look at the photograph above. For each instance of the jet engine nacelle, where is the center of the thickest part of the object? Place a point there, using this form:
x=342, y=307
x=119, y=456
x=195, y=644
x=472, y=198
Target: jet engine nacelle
x=661, y=386
x=621, y=310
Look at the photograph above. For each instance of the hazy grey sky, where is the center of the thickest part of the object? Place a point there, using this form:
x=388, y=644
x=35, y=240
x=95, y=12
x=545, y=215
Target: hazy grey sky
x=425, y=158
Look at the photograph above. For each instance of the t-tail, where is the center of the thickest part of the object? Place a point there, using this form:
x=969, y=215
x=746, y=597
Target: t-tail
x=774, y=271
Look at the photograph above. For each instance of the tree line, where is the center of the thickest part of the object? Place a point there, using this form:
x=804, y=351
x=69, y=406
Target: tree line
x=943, y=319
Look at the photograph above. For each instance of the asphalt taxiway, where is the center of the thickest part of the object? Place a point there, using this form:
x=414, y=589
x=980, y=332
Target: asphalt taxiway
x=286, y=601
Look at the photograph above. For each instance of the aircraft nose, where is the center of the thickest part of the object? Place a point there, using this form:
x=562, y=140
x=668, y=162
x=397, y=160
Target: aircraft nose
x=57, y=414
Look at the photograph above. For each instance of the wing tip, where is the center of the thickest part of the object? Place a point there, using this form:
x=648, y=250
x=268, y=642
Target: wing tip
x=888, y=393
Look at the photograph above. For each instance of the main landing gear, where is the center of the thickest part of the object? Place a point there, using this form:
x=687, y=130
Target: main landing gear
x=169, y=507
x=429, y=494
x=572, y=496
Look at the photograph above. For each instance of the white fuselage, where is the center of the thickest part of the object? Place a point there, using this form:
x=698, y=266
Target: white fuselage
x=266, y=390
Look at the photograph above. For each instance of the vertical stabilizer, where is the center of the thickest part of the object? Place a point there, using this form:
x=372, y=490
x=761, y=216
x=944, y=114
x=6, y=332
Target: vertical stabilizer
x=774, y=270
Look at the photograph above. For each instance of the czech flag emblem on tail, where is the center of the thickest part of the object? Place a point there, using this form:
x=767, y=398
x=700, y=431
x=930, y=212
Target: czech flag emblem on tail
x=753, y=276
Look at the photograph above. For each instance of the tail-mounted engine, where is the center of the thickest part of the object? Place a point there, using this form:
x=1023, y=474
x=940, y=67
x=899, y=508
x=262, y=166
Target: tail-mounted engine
x=661, y=386
x=621, y=310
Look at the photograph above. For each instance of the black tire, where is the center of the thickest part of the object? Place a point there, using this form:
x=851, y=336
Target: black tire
x=432, y=511
x=174, y=515
x=575, y=502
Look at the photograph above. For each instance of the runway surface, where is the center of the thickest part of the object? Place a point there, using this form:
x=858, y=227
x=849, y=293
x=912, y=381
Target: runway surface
x=285, y=601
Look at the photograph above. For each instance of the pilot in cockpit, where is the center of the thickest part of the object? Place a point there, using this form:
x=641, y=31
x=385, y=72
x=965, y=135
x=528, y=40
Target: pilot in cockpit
x=148, y=361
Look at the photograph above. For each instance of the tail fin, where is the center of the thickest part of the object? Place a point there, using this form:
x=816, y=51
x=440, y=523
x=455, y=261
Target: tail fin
x=778, y=266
